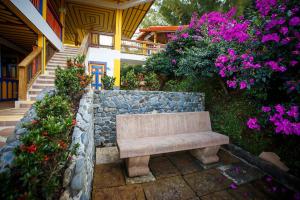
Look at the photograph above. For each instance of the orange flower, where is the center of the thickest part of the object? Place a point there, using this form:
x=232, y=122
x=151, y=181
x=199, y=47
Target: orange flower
x=46, y=158
x=34, y=121
x=74, y=122
x=45, y=133
x=62, y=145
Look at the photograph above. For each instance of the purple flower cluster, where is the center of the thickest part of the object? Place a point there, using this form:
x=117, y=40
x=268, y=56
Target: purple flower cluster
x=252, y=123
x=265, y=6
x=285, y=120
x=229, y=65
x=222, y=26
x=275, y=66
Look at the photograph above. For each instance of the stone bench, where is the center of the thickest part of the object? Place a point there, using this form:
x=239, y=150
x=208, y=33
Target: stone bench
x=142, y=135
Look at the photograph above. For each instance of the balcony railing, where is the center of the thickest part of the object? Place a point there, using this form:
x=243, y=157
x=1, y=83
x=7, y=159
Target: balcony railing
x=38, y=4
x=53, y=21
x=29, y=69
x=105, y=40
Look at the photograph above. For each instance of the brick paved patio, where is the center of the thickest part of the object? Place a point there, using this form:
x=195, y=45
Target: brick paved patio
x=180, y=177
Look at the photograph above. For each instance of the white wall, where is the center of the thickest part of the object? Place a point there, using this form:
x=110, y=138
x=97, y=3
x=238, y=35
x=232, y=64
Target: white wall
x=108, y=56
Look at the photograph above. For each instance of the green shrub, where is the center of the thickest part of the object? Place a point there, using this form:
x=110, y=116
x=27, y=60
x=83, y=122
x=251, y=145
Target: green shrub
x=151, y=81
x=72, y=81
x=108, y=82
x=130, y=81
x=43, y=154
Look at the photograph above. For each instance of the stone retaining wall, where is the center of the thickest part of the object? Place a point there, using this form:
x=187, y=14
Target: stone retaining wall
x=78, y=177
x=109, y=103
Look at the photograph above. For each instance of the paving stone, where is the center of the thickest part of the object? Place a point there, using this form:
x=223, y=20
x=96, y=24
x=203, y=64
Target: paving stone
x=207, y=181
x=222, y=195
x=226, y=158
x=171, y=188
x=129, y=192
x=139, y=179
x=240, y=173
x=7, y=132
x=2, y=144
x=184, y=162
x=108, y=175
x=107, y=155
x=248, y=192
x=162, y=167
x=273, y=189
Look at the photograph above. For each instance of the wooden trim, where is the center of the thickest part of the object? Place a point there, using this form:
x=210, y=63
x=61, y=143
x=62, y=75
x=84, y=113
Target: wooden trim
x=26, y=61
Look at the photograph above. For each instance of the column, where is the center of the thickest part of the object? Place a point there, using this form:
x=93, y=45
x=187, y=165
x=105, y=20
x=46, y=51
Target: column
x=118, y=43
x=62, y=17
x=42, y=38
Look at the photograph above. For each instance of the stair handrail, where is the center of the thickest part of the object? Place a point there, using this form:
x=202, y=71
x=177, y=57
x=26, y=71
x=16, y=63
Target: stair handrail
x=28, y=70
x=84, y=45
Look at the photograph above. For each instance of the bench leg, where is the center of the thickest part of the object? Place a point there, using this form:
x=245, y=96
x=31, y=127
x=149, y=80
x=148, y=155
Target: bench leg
x=206, y=155
x=137, y=166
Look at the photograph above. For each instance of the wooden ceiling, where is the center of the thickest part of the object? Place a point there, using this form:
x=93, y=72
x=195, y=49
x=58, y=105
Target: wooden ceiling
x=14, y=30
x=81, y=18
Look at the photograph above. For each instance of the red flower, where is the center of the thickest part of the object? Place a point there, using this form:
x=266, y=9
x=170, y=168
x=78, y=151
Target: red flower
x=74, y=122
x=46, y=158
x=34, y=121
x=31, y=149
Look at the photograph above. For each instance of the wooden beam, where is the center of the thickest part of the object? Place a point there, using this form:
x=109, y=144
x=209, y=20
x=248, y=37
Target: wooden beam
x=11, y=45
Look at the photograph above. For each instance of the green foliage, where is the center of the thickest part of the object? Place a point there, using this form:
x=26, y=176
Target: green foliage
x=108, y=82
x=151, y=81
x=160, y=63
x=72, y=81
x=130, y=80
x=44, y=152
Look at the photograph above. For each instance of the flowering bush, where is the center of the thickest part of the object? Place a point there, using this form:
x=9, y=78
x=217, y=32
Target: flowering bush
x=43, y=153
x=45, y=149
x=72, y=81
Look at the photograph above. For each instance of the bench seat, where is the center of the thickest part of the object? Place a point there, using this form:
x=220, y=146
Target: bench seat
x=170, y=143
x=142, y=135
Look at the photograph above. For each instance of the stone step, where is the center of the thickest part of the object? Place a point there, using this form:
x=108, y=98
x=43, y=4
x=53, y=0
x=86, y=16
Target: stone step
x=41, y=86
x=24, y=104
x=35, y=91
x=32, y=98
x=46, y=77
x=45, y=81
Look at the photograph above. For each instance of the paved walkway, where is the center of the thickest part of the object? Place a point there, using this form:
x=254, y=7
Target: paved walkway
x=180, y=177
x=8, y=119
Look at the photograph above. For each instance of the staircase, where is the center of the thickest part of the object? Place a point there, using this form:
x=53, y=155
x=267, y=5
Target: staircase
x=46, y=80
x=10, y=116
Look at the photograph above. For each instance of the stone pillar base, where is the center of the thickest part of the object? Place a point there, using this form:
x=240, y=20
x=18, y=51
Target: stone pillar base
x=137, y=166
x=206, y=155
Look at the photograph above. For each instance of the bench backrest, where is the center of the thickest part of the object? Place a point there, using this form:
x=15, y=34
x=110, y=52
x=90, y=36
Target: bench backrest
x=151, y=125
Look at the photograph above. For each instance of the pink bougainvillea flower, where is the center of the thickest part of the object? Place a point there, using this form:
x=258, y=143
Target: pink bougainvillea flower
x=266, y=109
x=293, y=112
x=243, y=85
x=295, y=21
x=231, y=84
x=184, y=35
x=253, y=124
x=280, y=109
x=293, y=63
x=233, y=186
x=270, y=37
x=284, y=30
x=274, y=66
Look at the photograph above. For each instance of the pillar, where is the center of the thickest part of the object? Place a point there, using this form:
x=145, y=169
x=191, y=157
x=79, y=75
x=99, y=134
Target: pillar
x=42, y=38
x=118, y=45
x=62, y=17
x=155, y=37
